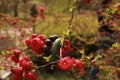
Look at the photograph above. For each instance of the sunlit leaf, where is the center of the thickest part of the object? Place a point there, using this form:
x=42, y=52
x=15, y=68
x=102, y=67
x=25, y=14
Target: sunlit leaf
x=48, y=58
x=1, y=67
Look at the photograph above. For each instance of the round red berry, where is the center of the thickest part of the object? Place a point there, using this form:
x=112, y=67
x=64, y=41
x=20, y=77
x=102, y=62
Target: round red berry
x=22, y=59
x=17, y=77
x=41, y=9
x=66, y=63
x=36, y=44
x=28, y=41
x=15, y=59
x=17, y=53
x=33, y=36
x=79, y=64
x=42, y=37
x=25, y=65
x=31, y=75
x=19, y=71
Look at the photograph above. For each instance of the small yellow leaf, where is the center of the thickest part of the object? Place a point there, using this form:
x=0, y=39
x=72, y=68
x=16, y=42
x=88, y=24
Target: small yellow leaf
x=47, y=58
x=82, y=51
x=1, y=67
x=3, y=53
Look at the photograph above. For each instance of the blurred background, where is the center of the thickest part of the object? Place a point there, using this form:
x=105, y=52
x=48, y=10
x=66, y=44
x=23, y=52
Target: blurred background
x=21, y=18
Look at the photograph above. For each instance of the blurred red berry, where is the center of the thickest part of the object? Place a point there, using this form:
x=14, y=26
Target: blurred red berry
x=42, y=37
x=33, y=36
x=66, y=49
x=17, y=53
x=27, y=25
x=9, y=48
x=66, y=63
x=36, y=44
x=31, y=75
x=25, y=65
x=42, y=16
x=15, y=21
x=63, y=52
x=87, y=1
x=22, y=59
x=67, y=42
x=17, y=77
x=79, y=64
x=19, y=71
x=33, y=20
x=12, y=69
x=15, y=59
x=28, y=41
x=118, y=7
x=41, y=9
x=67, y=45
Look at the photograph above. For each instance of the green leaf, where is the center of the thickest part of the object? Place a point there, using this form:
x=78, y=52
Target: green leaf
x=55, y=47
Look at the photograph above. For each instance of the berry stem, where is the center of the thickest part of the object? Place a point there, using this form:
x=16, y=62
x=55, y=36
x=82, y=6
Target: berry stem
x=43, y=66
x=25, y=49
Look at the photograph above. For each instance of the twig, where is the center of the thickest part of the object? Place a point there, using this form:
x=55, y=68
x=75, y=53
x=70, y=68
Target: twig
x=71, y=19
x=43, y=66
x=25, y=49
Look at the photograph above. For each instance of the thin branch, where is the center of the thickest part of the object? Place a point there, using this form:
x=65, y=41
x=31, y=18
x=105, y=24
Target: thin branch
x=71, y=19
x=25, y=49
x=43, y=66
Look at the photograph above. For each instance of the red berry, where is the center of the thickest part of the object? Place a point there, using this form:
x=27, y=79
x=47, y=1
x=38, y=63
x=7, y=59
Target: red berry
x=67, y=46
x=118, y=6
x=33, y=36
x=42, y=37
x=17, y=53
x=66, y=63
x=36, y=44
x=79, y=64
x=19, y=71
x=33, y=20
x=22, y=59
x=41, y=9
x=17, y=77
x=42, y=16
x=25, y=65
x=31, y=75
x=63, y=52
x=67, y=42
x=15, y=59
x=12, y=69
x=28, y=41
x=87, y=1
x=26, y=74
x=10, y=48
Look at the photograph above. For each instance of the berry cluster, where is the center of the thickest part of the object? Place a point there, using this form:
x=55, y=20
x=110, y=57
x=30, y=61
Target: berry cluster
x=39, y=44
x=24, y=68
x=42, y=10
x=15, y=56
x=66, y=63
x=36, y=42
